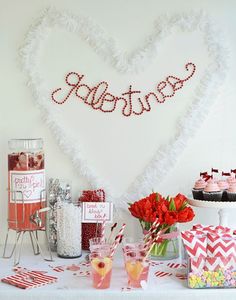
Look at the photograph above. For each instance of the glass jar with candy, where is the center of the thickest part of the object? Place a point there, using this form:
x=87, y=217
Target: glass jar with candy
x=91, y=230
x=68, y=226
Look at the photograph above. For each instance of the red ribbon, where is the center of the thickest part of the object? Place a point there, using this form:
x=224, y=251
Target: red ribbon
x=165, y=236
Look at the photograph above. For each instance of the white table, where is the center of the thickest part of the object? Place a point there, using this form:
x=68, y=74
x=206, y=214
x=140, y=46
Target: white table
x=73, y=287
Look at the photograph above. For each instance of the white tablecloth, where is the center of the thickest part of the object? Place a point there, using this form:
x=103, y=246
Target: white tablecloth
x=70, y=286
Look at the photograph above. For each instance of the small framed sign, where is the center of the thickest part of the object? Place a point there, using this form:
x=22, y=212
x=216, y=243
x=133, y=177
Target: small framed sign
x=97, y=212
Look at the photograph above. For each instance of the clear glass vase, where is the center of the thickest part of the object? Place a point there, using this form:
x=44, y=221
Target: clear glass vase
x=167, y=247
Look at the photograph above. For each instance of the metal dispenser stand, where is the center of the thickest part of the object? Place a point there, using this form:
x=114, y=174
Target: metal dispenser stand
x=35, y=219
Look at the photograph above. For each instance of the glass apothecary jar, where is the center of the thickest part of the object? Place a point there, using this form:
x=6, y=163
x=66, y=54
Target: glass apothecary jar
x=58, y=190
x=68, y=229
x=26, y=184
x=91, y=230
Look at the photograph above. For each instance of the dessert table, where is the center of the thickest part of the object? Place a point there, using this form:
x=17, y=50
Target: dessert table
x=72, y=286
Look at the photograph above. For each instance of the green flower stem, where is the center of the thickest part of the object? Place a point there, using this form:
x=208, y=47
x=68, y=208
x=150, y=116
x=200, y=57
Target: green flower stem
x=174, y=246
x=160, y=248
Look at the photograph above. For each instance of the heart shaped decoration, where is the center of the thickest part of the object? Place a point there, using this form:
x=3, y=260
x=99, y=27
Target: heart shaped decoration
x=27, y=194
x=95, y=38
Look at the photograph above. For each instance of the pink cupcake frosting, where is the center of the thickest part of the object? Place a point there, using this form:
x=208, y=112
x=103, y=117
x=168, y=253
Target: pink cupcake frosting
x=211, y=186
x=223, y=184
x=200, y=184
x=232, y=188
x=231, y=179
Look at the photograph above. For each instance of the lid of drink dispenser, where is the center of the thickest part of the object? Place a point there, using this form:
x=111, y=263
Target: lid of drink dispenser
x=25, y=144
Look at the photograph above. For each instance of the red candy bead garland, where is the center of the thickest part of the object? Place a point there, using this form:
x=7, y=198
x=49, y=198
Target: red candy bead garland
x=99, y=98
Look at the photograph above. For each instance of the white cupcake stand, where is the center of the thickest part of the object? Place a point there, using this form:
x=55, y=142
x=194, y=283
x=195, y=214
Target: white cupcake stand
x=222, y=207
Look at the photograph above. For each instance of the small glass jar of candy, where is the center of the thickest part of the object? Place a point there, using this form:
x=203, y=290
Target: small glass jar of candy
x=212, y=272
x=68, y=228
x=91, y=230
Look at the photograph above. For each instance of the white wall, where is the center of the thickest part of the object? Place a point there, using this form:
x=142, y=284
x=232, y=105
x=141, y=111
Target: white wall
x=129, y=21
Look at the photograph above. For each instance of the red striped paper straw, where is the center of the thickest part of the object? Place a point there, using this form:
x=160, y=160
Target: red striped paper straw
x=152, y=229
x=103, y=230
x=150, y=233
x=117, y=240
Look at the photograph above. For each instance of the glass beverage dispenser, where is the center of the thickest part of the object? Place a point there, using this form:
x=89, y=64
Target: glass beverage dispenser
x=26, y=183
x=26, y=191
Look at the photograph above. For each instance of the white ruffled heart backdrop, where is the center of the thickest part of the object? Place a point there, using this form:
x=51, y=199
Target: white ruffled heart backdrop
x=105, y=148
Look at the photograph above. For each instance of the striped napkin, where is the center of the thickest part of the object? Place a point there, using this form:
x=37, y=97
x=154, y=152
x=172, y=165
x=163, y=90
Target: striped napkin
x=29, y=280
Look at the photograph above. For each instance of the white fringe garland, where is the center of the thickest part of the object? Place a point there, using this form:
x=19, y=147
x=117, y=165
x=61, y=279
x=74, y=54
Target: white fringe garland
x=205, y=95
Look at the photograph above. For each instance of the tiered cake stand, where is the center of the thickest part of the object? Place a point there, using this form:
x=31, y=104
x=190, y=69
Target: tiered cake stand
x=222, y=207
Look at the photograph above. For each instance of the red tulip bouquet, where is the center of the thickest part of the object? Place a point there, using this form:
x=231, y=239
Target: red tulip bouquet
x=167, y=212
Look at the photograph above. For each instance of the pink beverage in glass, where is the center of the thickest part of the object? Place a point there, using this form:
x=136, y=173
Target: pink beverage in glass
x=137, y=267
x=101, y=270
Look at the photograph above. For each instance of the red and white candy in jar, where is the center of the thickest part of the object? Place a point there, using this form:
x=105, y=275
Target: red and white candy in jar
x=26, y=184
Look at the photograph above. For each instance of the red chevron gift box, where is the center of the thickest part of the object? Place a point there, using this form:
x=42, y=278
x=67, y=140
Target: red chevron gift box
x=212, y=256
x=195, y=243
x=210, y=228
x=221, y=245
x=221, y=251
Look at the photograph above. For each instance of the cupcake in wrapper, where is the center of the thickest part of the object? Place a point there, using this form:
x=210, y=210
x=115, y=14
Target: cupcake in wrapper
x=231, y=193
x=212, y=191
x=198, y=188
x=223, y=185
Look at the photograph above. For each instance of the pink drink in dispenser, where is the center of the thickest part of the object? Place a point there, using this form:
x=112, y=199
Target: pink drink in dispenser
x=26, y=184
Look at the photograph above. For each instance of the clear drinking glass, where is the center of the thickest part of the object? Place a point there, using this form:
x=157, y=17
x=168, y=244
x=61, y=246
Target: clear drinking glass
x=101, y=267
x=136, y=265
